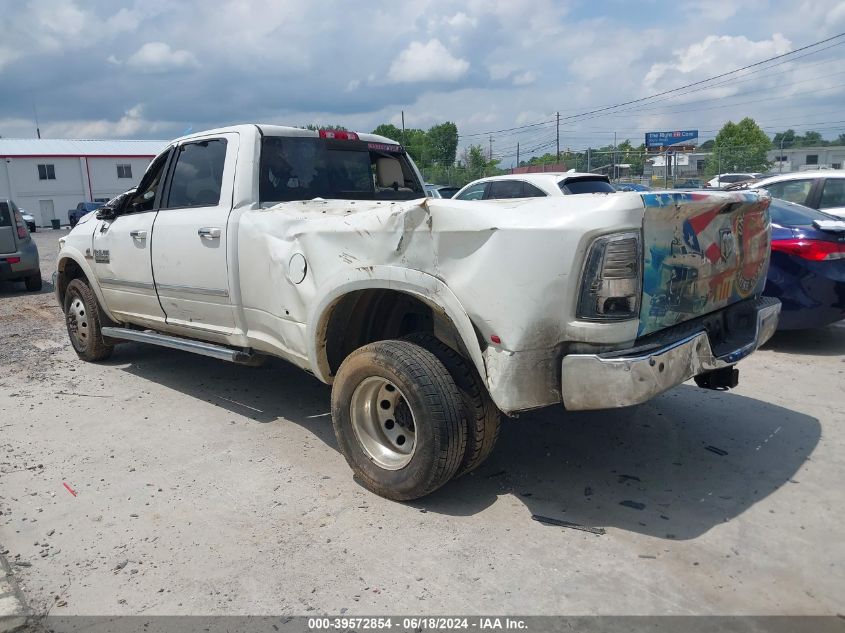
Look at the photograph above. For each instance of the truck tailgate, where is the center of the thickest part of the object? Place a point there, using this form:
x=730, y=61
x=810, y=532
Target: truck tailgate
x=702, y=252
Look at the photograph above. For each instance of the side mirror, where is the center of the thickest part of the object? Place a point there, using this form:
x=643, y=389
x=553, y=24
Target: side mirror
x=105, y=213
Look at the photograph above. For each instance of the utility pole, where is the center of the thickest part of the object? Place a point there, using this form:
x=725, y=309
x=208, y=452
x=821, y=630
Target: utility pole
x=613, y=159
x=491, y=148
x=780, y=158
x=35, y=112
x=589, y=160
x=403, y=127
x=558, y=137
x=517, y=153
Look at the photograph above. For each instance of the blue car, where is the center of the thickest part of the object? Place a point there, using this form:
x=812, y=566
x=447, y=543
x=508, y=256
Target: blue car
x=807, y=270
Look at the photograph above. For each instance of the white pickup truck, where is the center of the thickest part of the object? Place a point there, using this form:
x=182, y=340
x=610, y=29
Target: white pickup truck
x=427, y=316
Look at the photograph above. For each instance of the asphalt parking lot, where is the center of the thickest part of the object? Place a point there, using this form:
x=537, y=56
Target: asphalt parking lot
x=207, y=488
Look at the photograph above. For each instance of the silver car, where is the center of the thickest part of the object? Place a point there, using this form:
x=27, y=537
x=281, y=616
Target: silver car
x=18, y=253
x=29, y=219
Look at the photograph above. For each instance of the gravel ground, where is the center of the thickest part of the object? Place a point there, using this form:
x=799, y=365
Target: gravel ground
x=198, y=487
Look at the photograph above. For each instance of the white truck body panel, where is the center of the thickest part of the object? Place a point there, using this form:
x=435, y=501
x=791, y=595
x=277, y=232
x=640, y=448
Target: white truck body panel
x=507, y=271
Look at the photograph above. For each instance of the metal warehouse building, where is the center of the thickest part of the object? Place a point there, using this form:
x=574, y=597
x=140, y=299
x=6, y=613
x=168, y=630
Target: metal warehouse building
x=48, y=177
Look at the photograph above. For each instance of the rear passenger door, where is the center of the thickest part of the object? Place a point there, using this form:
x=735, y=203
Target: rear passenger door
x=190, y=235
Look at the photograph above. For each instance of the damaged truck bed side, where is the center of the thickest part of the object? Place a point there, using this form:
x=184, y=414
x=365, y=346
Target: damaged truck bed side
x=427, y=316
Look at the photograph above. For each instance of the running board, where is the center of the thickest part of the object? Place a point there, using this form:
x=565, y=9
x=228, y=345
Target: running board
x=185, y=344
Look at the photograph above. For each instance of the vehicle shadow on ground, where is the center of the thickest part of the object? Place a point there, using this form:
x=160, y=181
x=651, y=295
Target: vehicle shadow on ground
x=673, y=468
x=17, y=289
x=823, y=341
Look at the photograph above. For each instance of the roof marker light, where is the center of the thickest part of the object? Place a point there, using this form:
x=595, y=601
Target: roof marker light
x=339, y=135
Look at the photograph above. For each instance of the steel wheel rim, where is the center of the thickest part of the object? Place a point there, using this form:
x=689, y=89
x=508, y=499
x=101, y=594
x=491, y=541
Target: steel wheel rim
x=77, y=321
x=383, y=422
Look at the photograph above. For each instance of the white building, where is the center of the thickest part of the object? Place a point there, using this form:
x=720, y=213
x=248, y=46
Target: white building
x=807, y=158
x=48, y=177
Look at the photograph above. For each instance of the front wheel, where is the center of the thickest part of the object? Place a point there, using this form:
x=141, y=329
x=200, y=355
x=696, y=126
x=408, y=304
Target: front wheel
x=82, y=317
x=397, y=416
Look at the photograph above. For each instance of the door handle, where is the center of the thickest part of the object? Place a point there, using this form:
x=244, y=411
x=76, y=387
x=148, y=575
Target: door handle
x=209, y=233
x=138, y=235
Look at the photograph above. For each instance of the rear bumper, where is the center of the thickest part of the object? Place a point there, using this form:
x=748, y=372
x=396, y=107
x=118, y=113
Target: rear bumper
x=28, y=264
x=605, y=381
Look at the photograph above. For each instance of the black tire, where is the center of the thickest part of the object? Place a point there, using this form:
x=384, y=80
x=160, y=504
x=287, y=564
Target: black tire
x=428, y=392
x=481, y=416
x=34, y=282
x=82, y=318
x=33, y=229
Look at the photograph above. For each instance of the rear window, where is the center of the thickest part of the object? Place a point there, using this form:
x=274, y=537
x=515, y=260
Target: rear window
x=5, y=214
x=586, y=185
x=791, y=190
x=304, y=168
x=833, y=194
x=790, y=214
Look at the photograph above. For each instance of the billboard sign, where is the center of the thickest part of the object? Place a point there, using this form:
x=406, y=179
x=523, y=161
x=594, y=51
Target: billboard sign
x=665, y=139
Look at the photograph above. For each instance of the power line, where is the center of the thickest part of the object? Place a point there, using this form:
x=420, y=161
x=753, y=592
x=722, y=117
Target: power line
x=673, y=90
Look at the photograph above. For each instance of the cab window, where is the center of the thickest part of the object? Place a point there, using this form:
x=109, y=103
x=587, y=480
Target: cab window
x=198, y=175
x=476, y=192
x=144, y=197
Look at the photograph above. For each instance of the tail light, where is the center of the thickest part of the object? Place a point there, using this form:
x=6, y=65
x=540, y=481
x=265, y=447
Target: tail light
x=21, y=226
x=339, y=135
x=812, y=250
x=611, y=284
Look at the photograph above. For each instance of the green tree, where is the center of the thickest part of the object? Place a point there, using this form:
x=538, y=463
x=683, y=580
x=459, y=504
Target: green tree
x=739, y=146
x=476, y=165
x=390, y=131
x=442, y=143
x=784, y=139
x=813, y=139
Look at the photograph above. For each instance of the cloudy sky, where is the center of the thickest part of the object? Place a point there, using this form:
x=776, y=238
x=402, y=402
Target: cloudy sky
x=156, y=68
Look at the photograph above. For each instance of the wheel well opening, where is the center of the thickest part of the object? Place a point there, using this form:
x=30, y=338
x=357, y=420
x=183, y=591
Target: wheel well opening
x=68, y=271
x=366, y=316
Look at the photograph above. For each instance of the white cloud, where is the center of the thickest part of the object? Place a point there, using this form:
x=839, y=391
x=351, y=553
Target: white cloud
x=461, y=21
x=525, y=79
x=500, y=71
x=131, y=124
x=715, y=54
x=158, y=57
x=427, y=62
